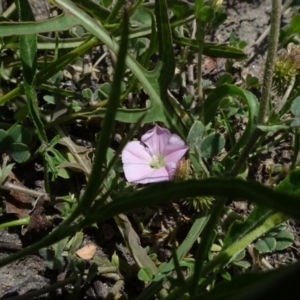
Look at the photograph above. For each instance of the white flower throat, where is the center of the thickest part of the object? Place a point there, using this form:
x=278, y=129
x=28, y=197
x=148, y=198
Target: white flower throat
x=157, y=161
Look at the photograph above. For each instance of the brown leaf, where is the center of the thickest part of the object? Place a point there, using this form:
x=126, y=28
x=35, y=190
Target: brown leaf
x=209, y=64
x=15, y=202
x=86, y=252
x=38, y=221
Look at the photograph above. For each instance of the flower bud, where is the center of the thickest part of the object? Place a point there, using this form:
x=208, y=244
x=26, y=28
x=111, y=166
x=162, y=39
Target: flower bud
x=287, y=66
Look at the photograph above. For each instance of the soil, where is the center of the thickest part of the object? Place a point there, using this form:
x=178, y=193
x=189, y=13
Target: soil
x=248, y=20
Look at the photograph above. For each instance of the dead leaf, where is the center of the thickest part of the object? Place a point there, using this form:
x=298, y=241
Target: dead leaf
x=17, y=203
x=38, y=221
x=209, y=64
x=87, y=252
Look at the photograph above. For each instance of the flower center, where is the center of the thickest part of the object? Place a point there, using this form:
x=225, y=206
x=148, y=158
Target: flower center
x=157, y=162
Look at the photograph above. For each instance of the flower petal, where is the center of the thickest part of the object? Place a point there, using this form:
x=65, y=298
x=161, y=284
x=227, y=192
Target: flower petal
x=171, y=168
x=156, y=139
x=175, y=143
x=144, y=174
x=175, y=149
x=135, y=153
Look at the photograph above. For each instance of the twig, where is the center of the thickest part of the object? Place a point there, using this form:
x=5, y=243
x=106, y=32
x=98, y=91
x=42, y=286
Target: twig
x=20, y=189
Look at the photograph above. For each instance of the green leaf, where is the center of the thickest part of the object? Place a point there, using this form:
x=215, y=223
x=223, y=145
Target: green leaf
x=213, y=49
x=87, y=94
x=291, y=183
x=205, y=14
x=93, y=271
x=141, y=17
x=155, y=82
x=60, y=23
x=271, y=128
x=284, y=240
x=20, y=134
x=19, y=152
x=97, y=11
x=195, y=136
x=104, y=90
x=182, y=250
x=296, y=122
x=266, y=244
x=159, y=193
x=5, y=140
x=28, y=52
x=242, y=263
x=225, y=275
x=295, y=107
x=212, y=145
x=241, y=228
x=276, y=284
x=106, y=3
x=76, y=241
x=180, y=9
x=213, y=100
x=295, y=24
x=49, y=99
x=145, y=274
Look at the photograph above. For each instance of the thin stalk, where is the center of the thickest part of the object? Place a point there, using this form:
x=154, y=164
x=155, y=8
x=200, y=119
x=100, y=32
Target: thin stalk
x=114, y=12
x=19, y=222
x=246, y=151
x=267, y=84
x=268, y=146
x=286, y=95
x=270, y=62
x=296, y=148
x=200, y=39
x=20, y=189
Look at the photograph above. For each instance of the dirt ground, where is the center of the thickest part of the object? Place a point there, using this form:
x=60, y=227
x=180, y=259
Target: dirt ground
x=248, y=20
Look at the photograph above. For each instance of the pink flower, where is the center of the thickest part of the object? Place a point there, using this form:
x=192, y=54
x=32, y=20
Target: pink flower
x=154, y=158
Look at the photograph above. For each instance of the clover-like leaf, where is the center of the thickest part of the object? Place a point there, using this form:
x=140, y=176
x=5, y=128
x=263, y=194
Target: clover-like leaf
x=212, y=145
x=266, y=244
x=19, y=152
x=295, y=107
x=20, y=134
x=284, y=240
x=195, y=136
x=5, y=141
x=145, y=274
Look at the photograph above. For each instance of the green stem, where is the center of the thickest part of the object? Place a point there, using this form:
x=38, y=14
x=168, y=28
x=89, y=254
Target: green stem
x=205, y=244
x=270, y=62
x=13, y=223
x=296, y=148
x=245, y=153
x=200, y=38
x=115, y=10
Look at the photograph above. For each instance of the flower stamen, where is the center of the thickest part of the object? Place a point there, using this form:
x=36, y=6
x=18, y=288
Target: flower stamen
x=157, y=162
